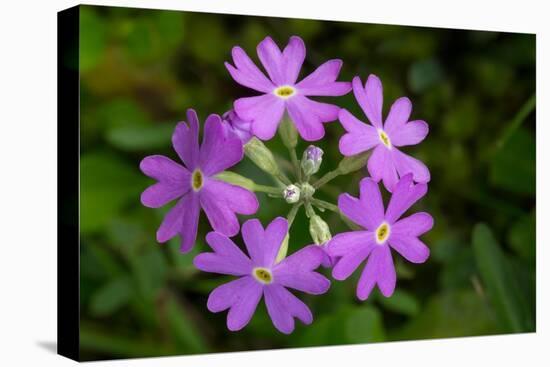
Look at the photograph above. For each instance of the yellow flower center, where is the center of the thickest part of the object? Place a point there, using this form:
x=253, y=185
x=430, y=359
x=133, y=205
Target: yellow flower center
x=197, y=180
x=262, y=275
x=382, y=233
x=286, y=91
x=384, y=138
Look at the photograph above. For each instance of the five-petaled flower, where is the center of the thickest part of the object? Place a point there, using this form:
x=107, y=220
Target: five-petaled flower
x=260, y=274
x=381, y=231
x=282, y=93
x=195, y=184
x=386, y=162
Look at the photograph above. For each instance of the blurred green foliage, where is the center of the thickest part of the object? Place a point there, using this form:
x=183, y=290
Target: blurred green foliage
x=140, y=71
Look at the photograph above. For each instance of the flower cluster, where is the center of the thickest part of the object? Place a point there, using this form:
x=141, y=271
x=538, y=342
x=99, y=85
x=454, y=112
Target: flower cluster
x=284, y=105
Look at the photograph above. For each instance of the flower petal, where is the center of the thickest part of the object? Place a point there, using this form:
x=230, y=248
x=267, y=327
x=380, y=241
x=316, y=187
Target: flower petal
x=406, y=164
x=283, y=306
x=265, y=113
x=379, y=269
x=364, y=211
x=174, y=180
x=239, y=199
x=358, y=142
x=308, y=118
x=219, y=212
x=293, y=58
x=296, y=271
x=183, y=219
x=381, y=167
x=253, y=235
x=247, y=73
x=406, y=193
x=411, y=248
x=322, y=82
x=348, y=242
x=398, y=116
x=227, y=258
x=271, y=57
x=413, y=226
x=370, y=98
x=274, y=235
x=219, y=150
x=411, y=133
x=354, y=257
x=185, y=140
x=241, y=296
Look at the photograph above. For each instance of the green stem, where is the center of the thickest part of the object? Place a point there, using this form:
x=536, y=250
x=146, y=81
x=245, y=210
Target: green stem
x=518, y=119
x=282, y=178
x=325, y=205
x=268, y=189
x=292, y=213
x=296, y=163
x=309, y=209
x=326, y=178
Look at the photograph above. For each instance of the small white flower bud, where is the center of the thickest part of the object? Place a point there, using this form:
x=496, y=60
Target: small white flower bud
x=291, y=193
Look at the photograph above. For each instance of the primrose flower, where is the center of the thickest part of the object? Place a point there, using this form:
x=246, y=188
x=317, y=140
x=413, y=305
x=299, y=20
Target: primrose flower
x=195, y=184
x=386, y=162
x=382, y=231
x=282, y=93
x=260, y=274
x=232, y=122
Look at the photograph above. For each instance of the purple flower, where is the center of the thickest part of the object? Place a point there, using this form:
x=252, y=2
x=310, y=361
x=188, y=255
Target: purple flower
x=282, y=93
x=232, y=122
x=381, y=231
x=260, y=275
x=194, y=185
x=386, y=161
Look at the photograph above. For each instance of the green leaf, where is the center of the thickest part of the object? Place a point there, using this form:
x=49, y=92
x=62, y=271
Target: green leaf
x=513, y=166
x=425, y=74
x=364, y=325
x=120, y=346
x=186, y=335
x=138, y=138
x=401, y=302
x=92, y=38
x=107, y=184
x=449, y=314
x=111, y=297
x=497, y=278
x=347, y=325
x=522, y=237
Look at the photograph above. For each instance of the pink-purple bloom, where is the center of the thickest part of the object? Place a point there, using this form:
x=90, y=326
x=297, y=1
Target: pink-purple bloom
x=260, y=275
x=381, y=231
x=282, y=93
x=194, y=184
x=233, y=123
x=387, y=163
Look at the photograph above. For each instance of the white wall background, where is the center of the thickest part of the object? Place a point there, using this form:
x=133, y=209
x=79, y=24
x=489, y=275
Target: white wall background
x=28, y=182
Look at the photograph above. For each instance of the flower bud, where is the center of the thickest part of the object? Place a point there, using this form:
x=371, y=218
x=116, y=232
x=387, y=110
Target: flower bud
x=233, y=123
x=283, y=250
x=236, y=179
x=311, y=160
x=291, y=193
x=288, y=133
x=353, y=163
x=256, y=150
x=307, y=190
x=319, y=230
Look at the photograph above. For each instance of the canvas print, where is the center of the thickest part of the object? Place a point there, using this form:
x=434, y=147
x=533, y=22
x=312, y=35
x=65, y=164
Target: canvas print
x=254, y=183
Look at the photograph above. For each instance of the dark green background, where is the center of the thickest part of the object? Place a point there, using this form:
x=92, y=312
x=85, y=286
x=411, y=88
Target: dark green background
x=141, y=70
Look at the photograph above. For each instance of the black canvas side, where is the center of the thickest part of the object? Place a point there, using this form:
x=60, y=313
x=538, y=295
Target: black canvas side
x=68, y=304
